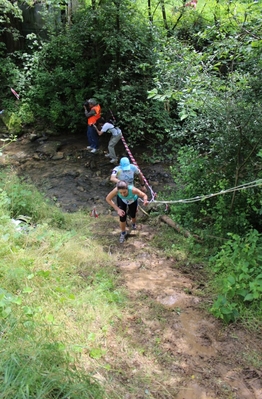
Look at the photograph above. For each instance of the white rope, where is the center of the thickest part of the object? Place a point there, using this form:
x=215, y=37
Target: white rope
x=245, y=186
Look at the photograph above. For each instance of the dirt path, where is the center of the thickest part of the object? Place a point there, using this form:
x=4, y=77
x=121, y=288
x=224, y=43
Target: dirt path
x=187, y=353
x=179, y=350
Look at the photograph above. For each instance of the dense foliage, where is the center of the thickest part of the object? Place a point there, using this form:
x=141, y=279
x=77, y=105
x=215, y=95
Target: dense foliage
x=238, y=277
x=183, y=81
x=214, y=87
x=107, y=52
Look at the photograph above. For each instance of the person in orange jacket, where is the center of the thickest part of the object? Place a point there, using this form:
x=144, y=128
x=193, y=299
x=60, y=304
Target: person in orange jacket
x=92, y=114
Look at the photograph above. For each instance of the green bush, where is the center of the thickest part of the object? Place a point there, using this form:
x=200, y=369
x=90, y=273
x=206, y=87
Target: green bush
x=238, y=277
x=198, y=174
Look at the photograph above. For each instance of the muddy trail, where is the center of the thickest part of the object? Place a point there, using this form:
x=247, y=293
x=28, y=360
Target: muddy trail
x=182, y=351
x=68, y=174
x=190, y=354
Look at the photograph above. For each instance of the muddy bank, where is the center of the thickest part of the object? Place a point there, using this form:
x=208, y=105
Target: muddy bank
x=68, y=174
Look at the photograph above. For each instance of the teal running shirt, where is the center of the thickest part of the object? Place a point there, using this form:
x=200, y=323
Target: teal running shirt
x=130, y=198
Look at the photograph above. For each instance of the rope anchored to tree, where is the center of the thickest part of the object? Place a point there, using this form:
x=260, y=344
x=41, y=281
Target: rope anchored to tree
x=255, y=183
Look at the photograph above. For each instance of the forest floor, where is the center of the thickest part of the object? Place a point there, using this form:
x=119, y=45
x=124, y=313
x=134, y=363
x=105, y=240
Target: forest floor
x=179, y=350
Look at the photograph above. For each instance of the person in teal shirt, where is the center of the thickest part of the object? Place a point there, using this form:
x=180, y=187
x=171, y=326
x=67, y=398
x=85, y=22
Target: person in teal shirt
x=126, y=196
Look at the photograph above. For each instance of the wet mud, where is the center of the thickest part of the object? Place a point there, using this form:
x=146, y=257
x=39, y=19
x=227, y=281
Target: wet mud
x=196, y=356
x=68, y=174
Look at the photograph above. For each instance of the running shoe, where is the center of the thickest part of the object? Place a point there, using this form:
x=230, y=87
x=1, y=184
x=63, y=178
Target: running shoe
x=122, y=237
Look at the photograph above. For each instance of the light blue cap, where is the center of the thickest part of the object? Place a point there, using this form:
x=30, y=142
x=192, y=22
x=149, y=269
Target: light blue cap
x=125, y=163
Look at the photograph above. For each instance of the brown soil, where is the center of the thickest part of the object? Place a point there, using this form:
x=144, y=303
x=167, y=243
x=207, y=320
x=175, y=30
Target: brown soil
x=68, y=174
x=180, y=350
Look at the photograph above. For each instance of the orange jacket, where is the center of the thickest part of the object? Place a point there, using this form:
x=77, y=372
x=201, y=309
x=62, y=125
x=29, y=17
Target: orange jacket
x=92, y=119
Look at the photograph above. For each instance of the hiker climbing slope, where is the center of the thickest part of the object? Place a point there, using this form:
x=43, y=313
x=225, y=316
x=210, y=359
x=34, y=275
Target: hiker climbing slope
x=116, y=134
x=126, y=171
x=127, y=196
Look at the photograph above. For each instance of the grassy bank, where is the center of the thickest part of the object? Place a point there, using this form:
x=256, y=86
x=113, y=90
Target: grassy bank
x=58, y=299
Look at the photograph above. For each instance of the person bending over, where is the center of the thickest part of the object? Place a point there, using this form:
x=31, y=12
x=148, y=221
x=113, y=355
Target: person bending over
x=126, y=195
x=116, y=134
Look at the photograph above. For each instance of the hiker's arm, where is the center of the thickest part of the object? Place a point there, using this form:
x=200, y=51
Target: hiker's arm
x=89, y=113
x=140, y=194
x=114, y=178
x=109, y=200
x=99, y=132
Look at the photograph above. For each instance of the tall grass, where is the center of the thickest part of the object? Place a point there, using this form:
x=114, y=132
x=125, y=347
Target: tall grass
x=25, y=199
x=58, y=300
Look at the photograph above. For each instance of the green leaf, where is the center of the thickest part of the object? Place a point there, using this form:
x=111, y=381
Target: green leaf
x=249, y=297
x=27, y=290
x=96, y=353
x=183, y=116
x=43, y=273
x=231, y=280
x=50, y=318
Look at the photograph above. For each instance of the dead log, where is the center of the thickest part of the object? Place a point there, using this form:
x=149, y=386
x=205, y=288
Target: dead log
x=178, y=228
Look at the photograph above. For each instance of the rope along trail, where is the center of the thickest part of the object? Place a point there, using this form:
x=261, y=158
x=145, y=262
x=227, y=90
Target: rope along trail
x=135, y=163
x=255, y=183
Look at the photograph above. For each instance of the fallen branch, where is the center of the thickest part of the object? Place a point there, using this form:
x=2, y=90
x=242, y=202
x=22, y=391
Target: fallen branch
x=179, y=229
x=142, y=210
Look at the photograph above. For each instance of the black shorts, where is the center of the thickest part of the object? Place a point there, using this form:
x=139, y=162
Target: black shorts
x=132, y=208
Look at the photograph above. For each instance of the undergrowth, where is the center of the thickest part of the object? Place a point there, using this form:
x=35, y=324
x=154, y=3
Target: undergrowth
x=58, y=299
x=237, y=269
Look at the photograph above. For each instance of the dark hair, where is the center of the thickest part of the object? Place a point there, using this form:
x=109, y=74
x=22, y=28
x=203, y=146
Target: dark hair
x=101, y=120
x=121, y=185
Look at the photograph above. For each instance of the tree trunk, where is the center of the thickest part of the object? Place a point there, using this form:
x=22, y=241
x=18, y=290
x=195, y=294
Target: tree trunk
x=150, y=16
x=163, y=8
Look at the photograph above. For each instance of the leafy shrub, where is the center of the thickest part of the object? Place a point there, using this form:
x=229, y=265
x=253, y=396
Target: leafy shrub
x=198, y=174
x=238, y=276
x=14, y=123
x=17, y=116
